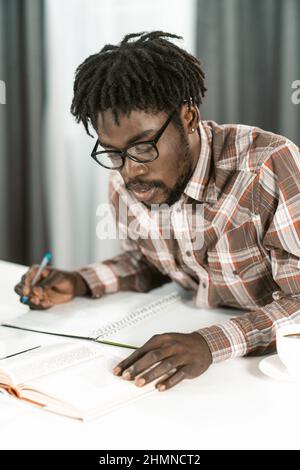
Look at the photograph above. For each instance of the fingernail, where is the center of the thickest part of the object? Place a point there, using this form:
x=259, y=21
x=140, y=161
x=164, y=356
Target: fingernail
x=116, y=370
x=161, y=387
x=126, y=375
x=140, y=382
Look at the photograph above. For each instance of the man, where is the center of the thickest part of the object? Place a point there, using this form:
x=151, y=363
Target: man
x=142, y=98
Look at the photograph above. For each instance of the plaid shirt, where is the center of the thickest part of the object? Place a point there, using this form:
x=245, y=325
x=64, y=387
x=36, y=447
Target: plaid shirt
x=247, y=184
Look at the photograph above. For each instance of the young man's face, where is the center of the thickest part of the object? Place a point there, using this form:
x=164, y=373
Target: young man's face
x=164, y=179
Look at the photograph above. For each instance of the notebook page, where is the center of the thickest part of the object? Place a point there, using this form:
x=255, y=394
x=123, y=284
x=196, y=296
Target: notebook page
x=15, y=342
x=81, y=316
x=138, y=315
x=181, y=316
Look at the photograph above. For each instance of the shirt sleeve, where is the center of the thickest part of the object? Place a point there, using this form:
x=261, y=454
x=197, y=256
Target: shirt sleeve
x=128, y=271
x=254, y=333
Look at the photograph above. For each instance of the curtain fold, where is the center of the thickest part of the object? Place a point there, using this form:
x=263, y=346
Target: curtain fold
x=250, y=52
x=23, y=231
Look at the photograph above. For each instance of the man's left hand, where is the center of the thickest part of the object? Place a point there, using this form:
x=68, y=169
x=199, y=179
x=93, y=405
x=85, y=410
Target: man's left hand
x=172, y=357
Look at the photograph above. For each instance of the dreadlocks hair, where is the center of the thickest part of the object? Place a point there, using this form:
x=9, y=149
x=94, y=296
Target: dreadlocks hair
x=150, y=74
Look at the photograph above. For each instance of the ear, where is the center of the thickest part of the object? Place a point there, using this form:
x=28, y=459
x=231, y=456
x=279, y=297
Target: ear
x=190, y=118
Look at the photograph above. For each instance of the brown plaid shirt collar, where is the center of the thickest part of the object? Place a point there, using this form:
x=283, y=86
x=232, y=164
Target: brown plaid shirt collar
x=202, y=185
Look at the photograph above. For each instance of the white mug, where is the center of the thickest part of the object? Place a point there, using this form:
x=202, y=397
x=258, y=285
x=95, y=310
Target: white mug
x=288, y=348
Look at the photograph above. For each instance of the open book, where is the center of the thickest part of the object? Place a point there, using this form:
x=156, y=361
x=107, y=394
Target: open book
x=126, y=317
x=70, y=379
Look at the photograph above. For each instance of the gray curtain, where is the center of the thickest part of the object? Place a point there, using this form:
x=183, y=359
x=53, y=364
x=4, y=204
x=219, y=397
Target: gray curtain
x=22, y=214
x=250, y=52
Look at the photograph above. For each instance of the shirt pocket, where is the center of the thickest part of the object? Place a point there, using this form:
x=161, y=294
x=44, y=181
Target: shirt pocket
x=240, y=272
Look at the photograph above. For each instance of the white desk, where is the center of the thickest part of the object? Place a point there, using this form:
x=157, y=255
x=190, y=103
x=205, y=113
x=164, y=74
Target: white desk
x=232, y=406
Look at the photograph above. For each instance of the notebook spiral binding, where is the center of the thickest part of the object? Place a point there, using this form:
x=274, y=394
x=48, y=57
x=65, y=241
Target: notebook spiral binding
x=137, y=315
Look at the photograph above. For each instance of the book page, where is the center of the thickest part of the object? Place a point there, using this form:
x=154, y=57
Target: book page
x=47, y=360
x=90, y=388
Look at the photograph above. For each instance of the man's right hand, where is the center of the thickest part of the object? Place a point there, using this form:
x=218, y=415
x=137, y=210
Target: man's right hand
x=54, y=287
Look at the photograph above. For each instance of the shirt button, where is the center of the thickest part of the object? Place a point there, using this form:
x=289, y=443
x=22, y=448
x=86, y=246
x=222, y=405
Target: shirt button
x=235, y=272
x=277, y=295
x=188, y=253
x=203, y=285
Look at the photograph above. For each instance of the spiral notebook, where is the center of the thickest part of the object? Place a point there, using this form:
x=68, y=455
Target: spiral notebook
x=125, y=317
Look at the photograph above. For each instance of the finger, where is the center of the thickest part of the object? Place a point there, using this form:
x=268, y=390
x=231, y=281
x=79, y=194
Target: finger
x=27, y=278
x=46, y=303
x=23, y=287
x=27, y=291
x=147, y=360
x=34, y=299
x=18, y=288
x=153, y=342
x=45, y=273
x=33, y=302
x=36, y=304
x=41, y=288
x=171, y=380
x=38, y=292
x=118, y=369
x=167, y=366
x=50, y=281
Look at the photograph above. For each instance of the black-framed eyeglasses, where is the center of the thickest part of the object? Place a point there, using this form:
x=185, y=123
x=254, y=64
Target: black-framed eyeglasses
x=141, y=152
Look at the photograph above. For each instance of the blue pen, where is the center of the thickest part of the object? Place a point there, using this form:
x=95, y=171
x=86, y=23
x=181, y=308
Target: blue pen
x=46, y=259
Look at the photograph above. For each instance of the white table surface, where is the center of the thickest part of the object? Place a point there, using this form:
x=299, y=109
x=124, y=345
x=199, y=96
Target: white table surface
x=232, y=406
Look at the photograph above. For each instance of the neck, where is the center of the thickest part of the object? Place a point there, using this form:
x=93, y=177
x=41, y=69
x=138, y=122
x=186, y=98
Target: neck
x=195, y=146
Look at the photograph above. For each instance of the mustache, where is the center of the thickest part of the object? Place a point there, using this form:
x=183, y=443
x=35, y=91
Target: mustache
x=143, y=185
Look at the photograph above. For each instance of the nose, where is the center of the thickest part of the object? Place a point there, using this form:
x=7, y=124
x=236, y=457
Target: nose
x=131, y=169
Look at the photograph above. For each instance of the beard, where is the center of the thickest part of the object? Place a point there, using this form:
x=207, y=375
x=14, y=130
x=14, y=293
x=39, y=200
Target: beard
x=172, y=195
x=175, y=193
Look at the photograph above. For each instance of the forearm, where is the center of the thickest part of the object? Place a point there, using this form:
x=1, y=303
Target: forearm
x=129, y=271
x=253, y=333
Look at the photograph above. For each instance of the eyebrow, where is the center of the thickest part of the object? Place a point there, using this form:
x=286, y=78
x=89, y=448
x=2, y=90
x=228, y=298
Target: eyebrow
x=133, y=139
